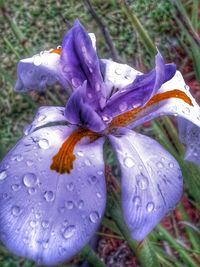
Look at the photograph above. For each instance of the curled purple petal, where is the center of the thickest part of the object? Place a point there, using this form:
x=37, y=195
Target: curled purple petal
x=44, y=116
x=78, y=112
x=80, y=62
x=46, y=216
x=141, y=89
x=151, y=181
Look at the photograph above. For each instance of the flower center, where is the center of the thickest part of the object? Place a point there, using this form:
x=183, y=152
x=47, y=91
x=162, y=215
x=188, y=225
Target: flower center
x=129, y=116
x=62, y=162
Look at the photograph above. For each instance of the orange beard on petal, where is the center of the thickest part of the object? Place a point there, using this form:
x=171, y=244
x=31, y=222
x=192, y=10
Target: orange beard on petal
x=129, y=116
x=56, y=51
x=62, y=162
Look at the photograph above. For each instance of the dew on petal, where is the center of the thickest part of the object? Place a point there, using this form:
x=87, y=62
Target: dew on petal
x=94, y=216
x=142, y=181
x=118, y=71
x=69, y=231
x=80, y=153
x=15, y=210
x=137, y=201
x=98, y=195
x=17, y=157
x=30, y=180
x=33, y=223
x=80, y=204
x=16, y=187
x=29, y=163
x=45, y=224
x=128, y=162
x=150, y=206
x=3, y=175
x=49, y=196
x=41, y=118
x=159, y=164
x=43, y=143
x=171, y=164
x=32, y=191
x=123, y=106
x=100, y=172
x=92, y=179
x=69, y=205
x=37, y=60
x=70, y=186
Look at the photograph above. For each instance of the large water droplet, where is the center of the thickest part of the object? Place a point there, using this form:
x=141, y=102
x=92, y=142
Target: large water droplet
x=37, y=60
x=142, y=181
x=30, y=180
x=49, y=196
x=171, y=164
x=92, y=179
x=15, y=210
x=128, y=162
x=150, y=206
x=80, y=153
x=94, y=216
x=118, y=71
x=69, y=231
x=106, y=118
x=3, y=175
x=43, y=143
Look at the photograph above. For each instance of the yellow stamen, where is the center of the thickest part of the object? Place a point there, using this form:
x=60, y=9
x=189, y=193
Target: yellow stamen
x=62, y=162
x=57, y=51
x=129, y=116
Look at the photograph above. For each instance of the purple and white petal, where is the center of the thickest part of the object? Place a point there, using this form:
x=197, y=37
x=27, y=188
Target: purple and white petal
x=37, y=72
x=151, y=181
x=44, y=116
x=80, y=62
x=116, y=75
x=189, y=135
x=172, y=106
x=46, y=216
x=140, y=90
x=78, y=111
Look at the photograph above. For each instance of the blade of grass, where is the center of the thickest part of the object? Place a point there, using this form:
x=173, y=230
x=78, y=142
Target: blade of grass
x=88, y=254
x=195, y=11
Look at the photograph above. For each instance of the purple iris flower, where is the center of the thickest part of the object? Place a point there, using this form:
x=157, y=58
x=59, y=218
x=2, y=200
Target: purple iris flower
x=52, y=184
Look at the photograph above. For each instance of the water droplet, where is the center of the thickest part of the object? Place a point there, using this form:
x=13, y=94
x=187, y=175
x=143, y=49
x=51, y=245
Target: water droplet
x=45, y=244
x=45, y=224
x=37, y=60
x=142, y=181
x=25, y=240
x=17, y=157
x=97, y=87
x=92, y=179
x=69, y=205
x=187, y=88
x=69, y=231
x=94, y=216
x=32, y=191
x=159, y=164
x=16, y=187
x=3, y=175
x=171, y=164
x=80, y=204
x=123, y=106
x=106, y=118
x=41, y=117
x=98, y=195
x=100, y=172
x=128, y=162
x=137, y=201
x=75, y=82
x=30, y=180
x=118, y=71
x=15, y=210
x=29, y=163
x=88, y=162
x=70, y=186
x=49, y=196
x=5, y=195
x=33, y=223
x=43, y=143
x=186, y=110
x=150, y=206
x=62, y=250
x=80, y=153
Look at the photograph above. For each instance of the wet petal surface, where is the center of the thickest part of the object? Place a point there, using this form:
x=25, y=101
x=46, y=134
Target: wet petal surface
x=46, y=216
x=151, y=181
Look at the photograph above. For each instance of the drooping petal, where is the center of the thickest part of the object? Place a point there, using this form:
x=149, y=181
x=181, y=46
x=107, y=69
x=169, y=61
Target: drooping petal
x=116, y=75
x=37, y=72
x=80, y=62
x=46, y=216
x=78, y=112
x=172, y=106
x=44, y=116
x=189, y=135
x=140, y=90
x=151, y=181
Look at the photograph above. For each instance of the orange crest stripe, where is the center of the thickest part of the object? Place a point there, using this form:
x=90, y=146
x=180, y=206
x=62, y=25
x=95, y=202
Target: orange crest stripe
x=62, y=162
x=57, y=51
x=129, y=116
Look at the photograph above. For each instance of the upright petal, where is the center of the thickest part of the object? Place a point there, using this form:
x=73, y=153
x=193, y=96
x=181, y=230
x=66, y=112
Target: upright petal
x=141, y=89
x=44, y=116
x=80, y=62
x=151, y=181
x=37, y=72
x=78, y=112
x=46, y=216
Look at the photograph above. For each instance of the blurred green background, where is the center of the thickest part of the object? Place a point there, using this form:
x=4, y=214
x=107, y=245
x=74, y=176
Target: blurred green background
x=127, y=33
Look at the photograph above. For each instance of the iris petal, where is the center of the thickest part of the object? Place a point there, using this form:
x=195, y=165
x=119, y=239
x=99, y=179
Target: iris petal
x=151, y=181
x=46, y=216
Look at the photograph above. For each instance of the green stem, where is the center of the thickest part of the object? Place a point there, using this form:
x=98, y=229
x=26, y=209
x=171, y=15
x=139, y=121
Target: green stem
x=183, y=254
x=11, y=47
x=136, y=24
x=88, y=254
x=194, y=18
x=191, y=233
